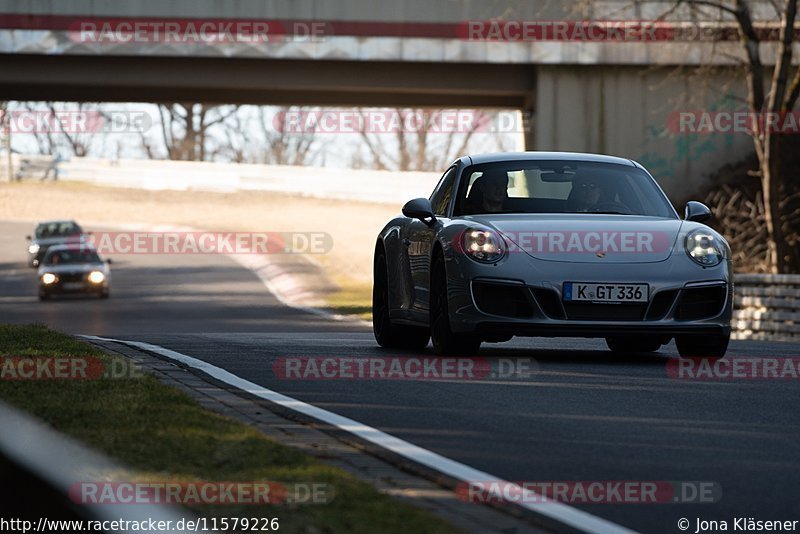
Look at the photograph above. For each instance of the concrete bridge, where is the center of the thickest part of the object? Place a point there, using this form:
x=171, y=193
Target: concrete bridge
x=600, y=95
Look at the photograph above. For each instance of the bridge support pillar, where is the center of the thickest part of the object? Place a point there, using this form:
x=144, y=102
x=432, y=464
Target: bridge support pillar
x=528, y=129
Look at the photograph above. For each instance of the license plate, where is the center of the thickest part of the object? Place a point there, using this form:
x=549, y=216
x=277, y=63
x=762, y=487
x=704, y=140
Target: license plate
x=73, y=285
x=585, y=292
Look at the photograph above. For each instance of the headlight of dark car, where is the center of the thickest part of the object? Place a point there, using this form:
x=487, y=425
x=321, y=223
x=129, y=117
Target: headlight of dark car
x=705, y=248
x=484, y=245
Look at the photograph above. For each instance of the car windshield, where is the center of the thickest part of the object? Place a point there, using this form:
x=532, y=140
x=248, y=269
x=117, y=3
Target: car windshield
x=57, y=229
x=560, y=187
x=61, y=257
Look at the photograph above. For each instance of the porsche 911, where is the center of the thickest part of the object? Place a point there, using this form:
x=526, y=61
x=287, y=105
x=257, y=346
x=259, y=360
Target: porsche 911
x=551, y=245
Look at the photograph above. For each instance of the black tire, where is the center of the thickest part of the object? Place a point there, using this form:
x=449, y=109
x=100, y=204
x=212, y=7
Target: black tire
x=634, y=343
x=445, y=341
x=387, y=334
x=44, y=296
x=104, y=294
x=703, y=346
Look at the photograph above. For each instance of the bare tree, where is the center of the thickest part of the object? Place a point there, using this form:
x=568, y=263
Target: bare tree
x=185, y=129
x=283, y=145
x=426, y=145
x=273, y=136
x=770, y=95
x=65, y=127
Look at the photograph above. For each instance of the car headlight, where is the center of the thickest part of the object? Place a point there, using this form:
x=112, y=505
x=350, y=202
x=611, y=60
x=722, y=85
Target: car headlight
x=705, y=248
x=96, y=277
x=48, y=278
x=33, y=248
x=484, y=245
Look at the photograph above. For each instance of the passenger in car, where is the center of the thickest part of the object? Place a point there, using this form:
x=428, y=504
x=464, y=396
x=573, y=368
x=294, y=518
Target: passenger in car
x=489, y=193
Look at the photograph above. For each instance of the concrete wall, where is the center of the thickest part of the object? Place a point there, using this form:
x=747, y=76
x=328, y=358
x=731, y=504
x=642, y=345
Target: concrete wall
x=624, y=111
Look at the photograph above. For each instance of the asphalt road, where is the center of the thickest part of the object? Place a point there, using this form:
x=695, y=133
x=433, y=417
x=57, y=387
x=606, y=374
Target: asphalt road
x=584, y=414
x=151, y=294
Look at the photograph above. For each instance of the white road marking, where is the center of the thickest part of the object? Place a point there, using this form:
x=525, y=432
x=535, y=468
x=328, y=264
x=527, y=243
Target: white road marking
x=562, y=513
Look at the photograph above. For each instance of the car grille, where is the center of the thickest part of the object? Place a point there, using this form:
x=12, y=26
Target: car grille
x=502, y=299
x=661, y=304
x=70, y=277
x=549, y=302
x=587, y=311
x=693, y=304
x=700, y=303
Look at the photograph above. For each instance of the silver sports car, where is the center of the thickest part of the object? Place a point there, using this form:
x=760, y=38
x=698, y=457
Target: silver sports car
x=551, y=244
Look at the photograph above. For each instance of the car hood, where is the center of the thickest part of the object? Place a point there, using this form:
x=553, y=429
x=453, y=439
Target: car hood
x=73, y=268
x=587, y=238
x=59, y=240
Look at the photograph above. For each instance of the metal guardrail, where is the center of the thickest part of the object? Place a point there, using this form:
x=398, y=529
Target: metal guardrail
x=40, y=466
x=767, y=306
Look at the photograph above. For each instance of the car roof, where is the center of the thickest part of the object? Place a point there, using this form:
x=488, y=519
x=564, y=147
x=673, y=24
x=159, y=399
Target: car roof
x=57, y=221
x=544, y=156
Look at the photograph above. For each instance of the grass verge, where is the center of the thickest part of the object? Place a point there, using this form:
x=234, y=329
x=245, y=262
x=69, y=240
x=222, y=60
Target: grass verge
x=162, y=435
x=354, y=297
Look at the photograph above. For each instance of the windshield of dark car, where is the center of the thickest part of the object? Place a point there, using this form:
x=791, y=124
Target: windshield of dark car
x=61, y=257
x=57, y=229
x=560, y=187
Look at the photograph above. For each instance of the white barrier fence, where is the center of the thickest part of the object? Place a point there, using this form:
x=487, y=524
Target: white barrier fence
x=320, y=182
x=767, y=306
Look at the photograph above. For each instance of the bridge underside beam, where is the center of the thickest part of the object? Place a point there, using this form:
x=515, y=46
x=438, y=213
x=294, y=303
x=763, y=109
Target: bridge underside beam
x=93, y=78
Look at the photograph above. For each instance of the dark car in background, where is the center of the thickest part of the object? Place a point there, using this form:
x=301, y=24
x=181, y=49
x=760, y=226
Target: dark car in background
x=49, y=233
x=73, y=268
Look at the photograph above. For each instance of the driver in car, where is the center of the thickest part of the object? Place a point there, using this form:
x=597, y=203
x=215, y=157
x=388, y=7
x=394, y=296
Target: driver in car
x=489, y=193
x=585, y=195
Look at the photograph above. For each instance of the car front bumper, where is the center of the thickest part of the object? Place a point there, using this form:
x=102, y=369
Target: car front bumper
x=73, y=287
x=683, y=300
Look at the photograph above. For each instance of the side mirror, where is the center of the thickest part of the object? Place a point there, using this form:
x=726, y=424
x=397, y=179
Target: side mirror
x=108, y=261
x=420, y=208
x=28, y=237
x=697, y=212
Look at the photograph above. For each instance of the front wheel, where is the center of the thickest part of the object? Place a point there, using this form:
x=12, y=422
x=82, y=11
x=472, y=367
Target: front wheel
x=445, y=341
x=703, y=346
x=387, y=334
x=634, y=344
